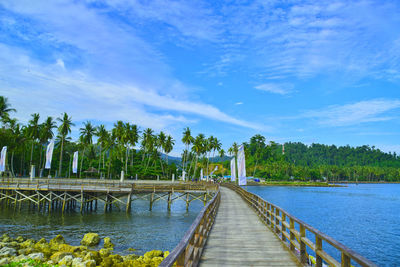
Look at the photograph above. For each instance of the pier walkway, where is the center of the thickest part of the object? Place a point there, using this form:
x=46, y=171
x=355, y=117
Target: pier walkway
x=239, y=238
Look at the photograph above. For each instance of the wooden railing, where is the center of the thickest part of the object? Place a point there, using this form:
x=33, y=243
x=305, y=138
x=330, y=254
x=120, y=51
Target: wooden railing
x=115, y=185
x=295, y=233
x=189, y=249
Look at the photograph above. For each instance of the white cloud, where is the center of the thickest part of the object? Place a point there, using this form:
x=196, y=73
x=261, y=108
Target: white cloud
x=239, y=103
x=276, y=88
x=352, y=114
x=77, y=93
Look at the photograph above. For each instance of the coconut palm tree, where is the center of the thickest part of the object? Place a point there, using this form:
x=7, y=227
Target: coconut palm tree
x=133, y=137
x=221, y=153
x=63, y=130
x=187, y=139
x=160, y=144
x=102, y=135
x=5, y=108
x=169, y=145
x=46, y=133
x=86, y=138
x=148, y=142
x=34, y=131
x=198, y=148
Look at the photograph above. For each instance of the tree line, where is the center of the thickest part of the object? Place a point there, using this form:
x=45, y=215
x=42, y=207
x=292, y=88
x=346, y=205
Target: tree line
x=124, y=147
x=298, y=161
x=105, y=153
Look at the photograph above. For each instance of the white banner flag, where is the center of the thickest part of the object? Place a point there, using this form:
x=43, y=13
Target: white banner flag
x=183, y=175
x=233, y=169
x=75, y=162
x=49, y=154
x=3, y=159
x=241, y=166
x=201, y=174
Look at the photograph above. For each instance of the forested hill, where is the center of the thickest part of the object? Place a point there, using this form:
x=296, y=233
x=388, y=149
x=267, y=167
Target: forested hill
x=318, y=161
x=319, y=154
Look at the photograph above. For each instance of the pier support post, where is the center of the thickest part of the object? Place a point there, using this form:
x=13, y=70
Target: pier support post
x=82, y=201
x=187, y=201
x=128, y=202
x=63, y=205
x=151, y=201
x=169, y=201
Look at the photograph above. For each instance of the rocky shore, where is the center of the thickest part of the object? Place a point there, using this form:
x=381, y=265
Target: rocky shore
x=28, y=252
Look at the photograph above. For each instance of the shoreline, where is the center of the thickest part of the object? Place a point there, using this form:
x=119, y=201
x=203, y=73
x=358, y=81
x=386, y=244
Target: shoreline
x=305, y=184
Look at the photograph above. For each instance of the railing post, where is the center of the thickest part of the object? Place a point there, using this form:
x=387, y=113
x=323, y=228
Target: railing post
x=276, y=221
x=345, y=260
x=292, y=236
x=268, y=214
x=303, y=256
x=283, y=215
x=318, y=247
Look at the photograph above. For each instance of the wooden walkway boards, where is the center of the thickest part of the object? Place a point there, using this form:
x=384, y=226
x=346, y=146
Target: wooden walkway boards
x=239, y=238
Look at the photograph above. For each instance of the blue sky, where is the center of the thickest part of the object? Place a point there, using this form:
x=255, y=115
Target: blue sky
x=309, y=71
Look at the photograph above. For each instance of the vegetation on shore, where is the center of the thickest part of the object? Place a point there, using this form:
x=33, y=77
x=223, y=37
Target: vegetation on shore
x=299, y=162
x=28, y=252
x=293, y=183
x=102, y=152
x=126, y=147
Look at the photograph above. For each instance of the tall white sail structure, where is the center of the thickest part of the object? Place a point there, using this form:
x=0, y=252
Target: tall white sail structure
x=75, y=162
x=233, y=169
x=3, y=159
x=49, y=154
x=241, y=166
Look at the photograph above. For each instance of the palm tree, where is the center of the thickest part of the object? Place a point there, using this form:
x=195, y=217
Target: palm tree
x=133, y=137
x=46, y=133
x=221, y=153
x=64, y=129
x=34, y=131
x=198, y=148
x=160, y=144
x=102, y=135
x=18, y=139
x=148, y=142
x=120, y=133
x=86, y=138
x=169, y=145
x=187, y=139
x=5, y=108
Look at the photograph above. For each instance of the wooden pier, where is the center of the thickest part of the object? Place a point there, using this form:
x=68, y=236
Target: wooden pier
x=238, y=228
x=87, y=195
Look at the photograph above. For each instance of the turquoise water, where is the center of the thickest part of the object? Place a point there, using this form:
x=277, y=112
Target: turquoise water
x=364, y=217
x=140, y=229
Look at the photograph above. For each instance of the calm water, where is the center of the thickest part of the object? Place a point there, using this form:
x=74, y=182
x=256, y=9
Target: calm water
x=365, y=217
x=141, y=229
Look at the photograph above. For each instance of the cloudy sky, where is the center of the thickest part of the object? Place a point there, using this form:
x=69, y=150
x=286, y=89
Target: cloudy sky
x=309, y=71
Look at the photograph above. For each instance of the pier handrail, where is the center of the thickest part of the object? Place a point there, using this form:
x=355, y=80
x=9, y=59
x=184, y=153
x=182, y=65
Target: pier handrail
x=72, y=184
x=284, y=225
x=189, y=249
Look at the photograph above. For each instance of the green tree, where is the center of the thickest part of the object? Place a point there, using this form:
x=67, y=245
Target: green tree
x=86, y=138
x=63, y=130
x=5, y=108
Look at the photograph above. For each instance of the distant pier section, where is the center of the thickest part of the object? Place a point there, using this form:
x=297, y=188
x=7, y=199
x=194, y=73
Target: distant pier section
x=90, y=194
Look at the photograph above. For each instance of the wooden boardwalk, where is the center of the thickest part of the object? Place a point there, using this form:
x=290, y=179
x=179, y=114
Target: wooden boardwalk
x=239, y=238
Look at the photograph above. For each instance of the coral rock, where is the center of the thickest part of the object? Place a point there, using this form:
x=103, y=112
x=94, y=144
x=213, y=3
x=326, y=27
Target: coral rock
x=108, y=243
x=90, y=239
